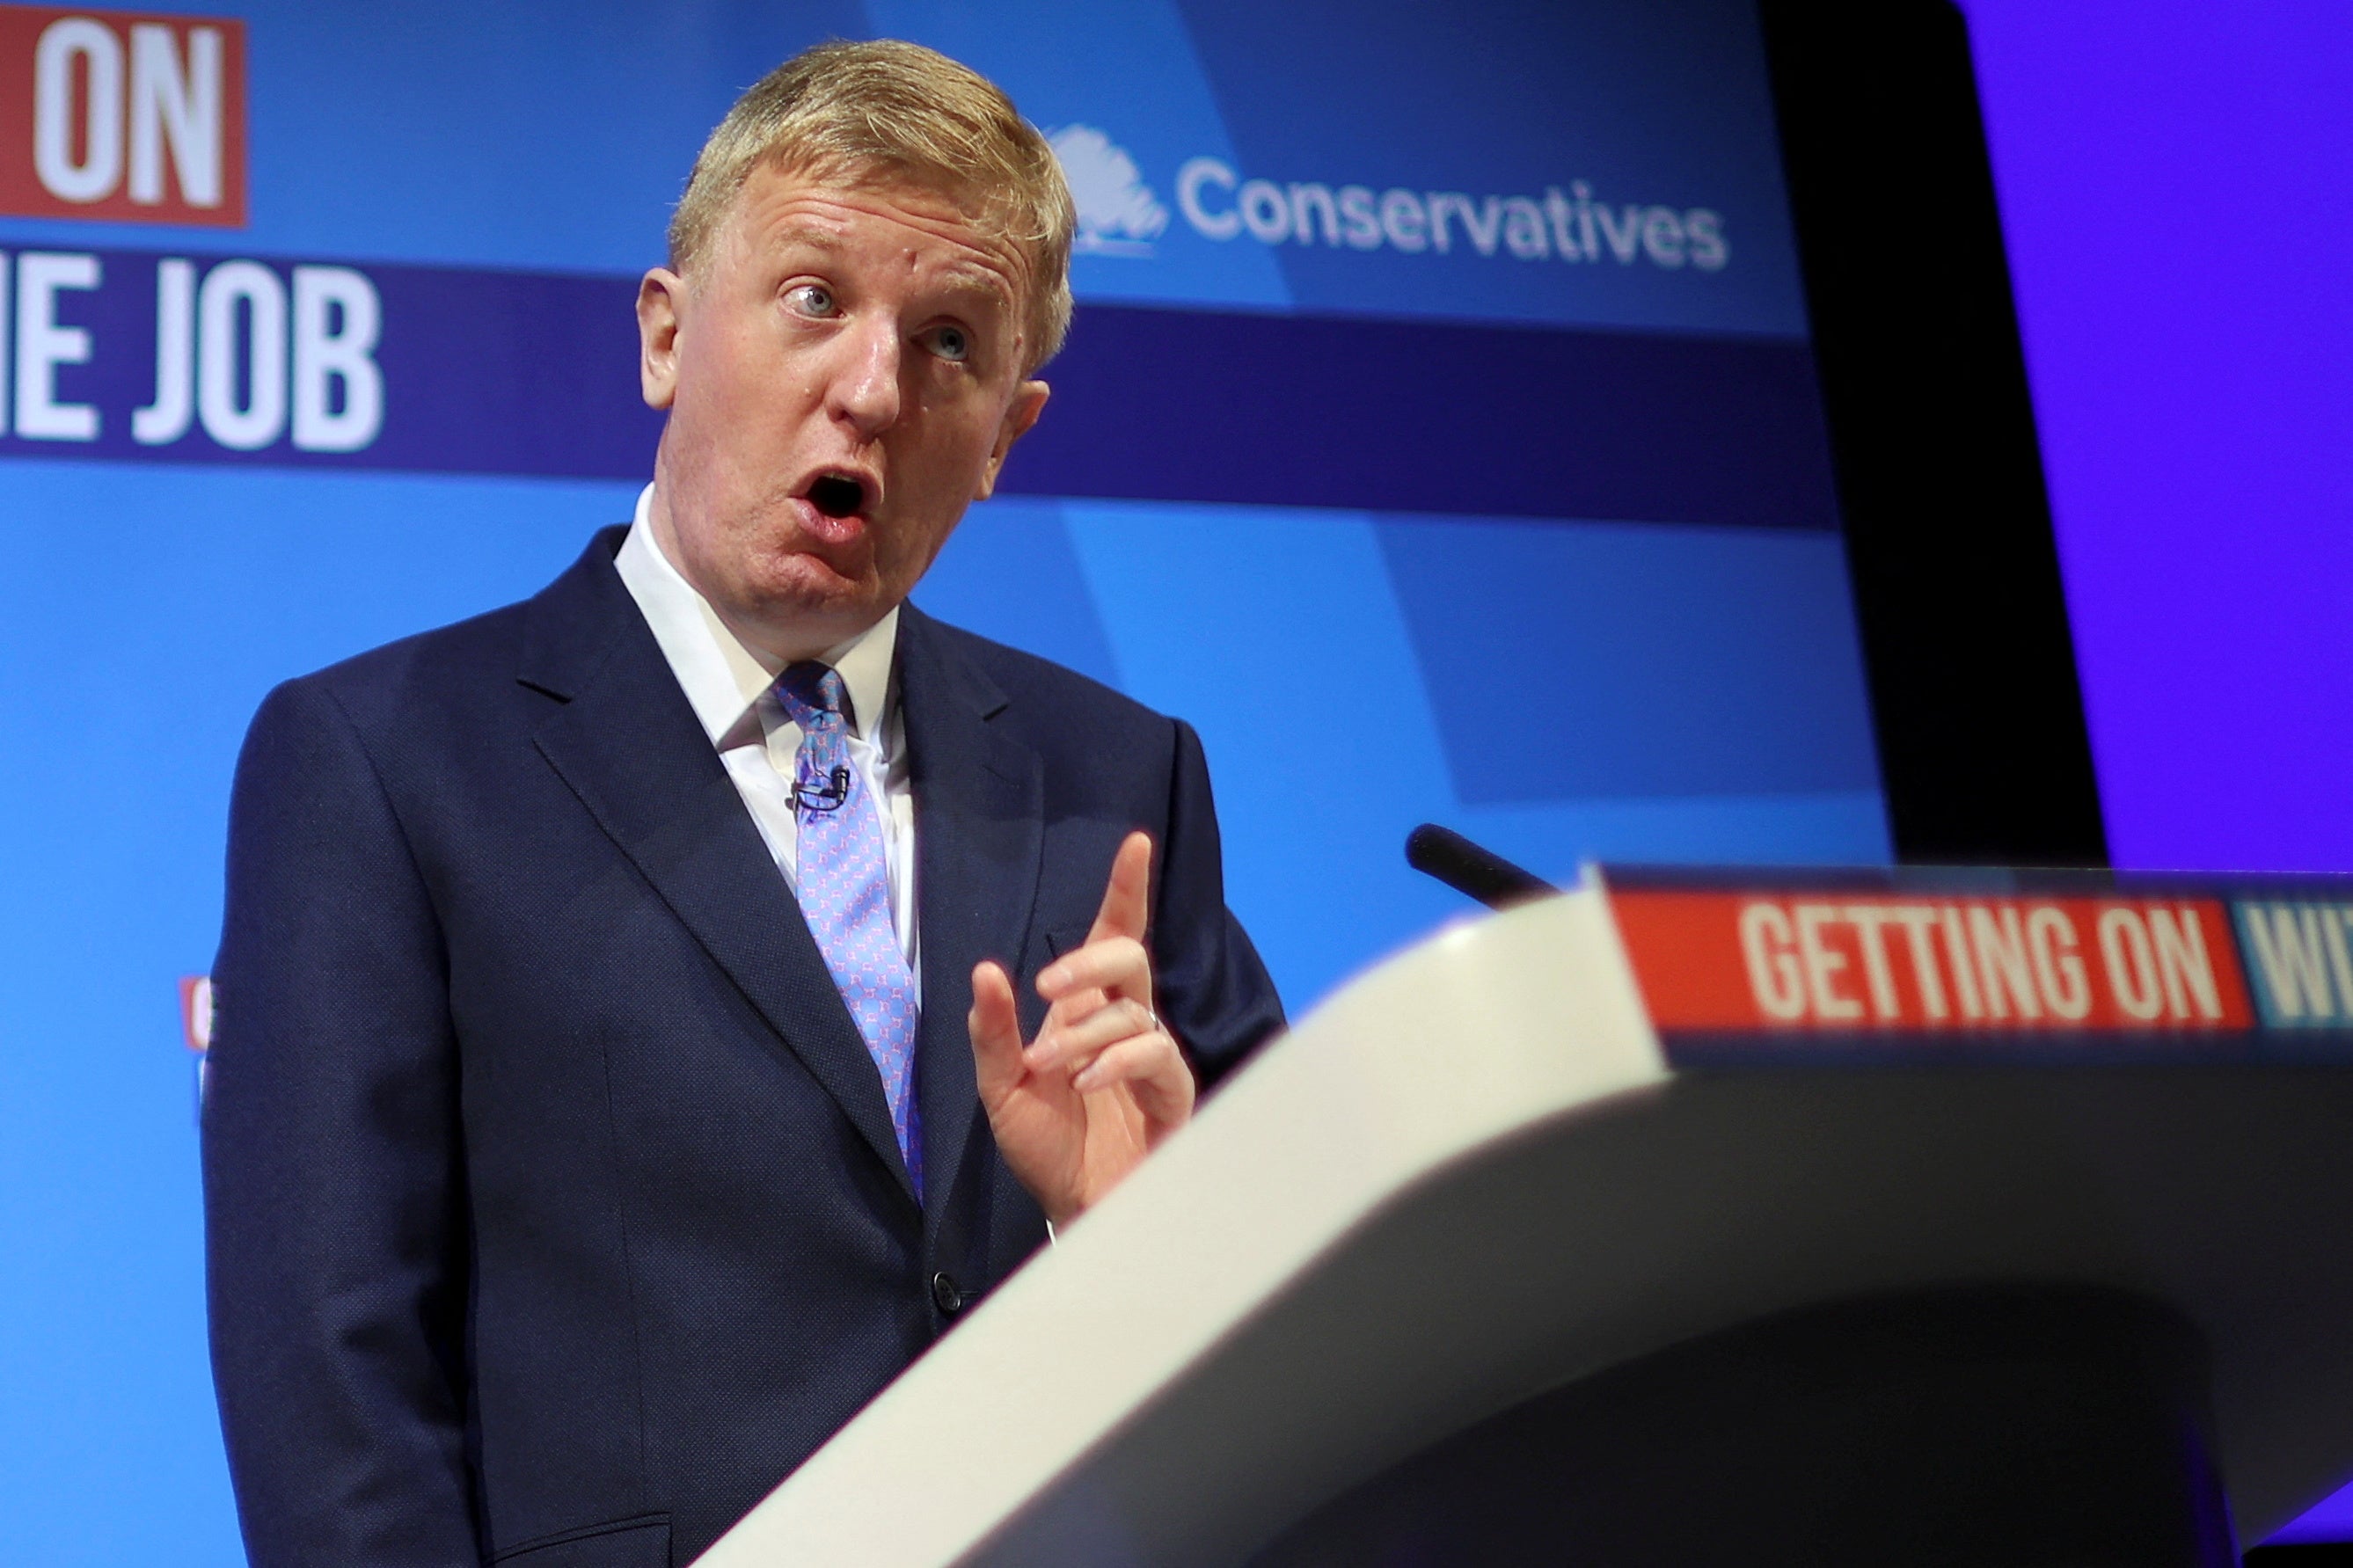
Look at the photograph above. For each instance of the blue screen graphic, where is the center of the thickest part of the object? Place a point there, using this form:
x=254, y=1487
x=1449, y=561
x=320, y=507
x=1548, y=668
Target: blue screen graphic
x=1437, y=433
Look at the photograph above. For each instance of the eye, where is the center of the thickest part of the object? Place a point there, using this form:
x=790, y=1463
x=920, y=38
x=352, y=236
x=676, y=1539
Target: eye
x=811, y=299
x=951, y=342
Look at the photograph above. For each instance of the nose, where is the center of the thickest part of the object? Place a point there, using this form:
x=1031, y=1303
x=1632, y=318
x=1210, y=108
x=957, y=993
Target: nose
x=864, y=393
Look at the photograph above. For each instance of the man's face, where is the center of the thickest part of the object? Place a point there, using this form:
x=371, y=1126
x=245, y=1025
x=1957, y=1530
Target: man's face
x=842, y=369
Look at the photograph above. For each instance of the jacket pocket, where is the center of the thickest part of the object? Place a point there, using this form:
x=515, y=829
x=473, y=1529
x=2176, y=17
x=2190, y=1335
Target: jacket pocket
x=639, y=1542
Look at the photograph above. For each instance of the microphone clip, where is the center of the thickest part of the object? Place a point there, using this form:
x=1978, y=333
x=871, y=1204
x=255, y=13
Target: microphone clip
x=826, y=795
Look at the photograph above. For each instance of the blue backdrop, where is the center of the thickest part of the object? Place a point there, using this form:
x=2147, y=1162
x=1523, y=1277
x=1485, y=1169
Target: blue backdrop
x=1437, y=433
x=2196, y=419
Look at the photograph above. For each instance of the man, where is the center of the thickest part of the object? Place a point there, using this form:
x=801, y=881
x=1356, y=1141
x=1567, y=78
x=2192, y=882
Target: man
x=649, y=1013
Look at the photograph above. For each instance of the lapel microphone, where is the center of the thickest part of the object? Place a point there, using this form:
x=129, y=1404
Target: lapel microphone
x=826, y=796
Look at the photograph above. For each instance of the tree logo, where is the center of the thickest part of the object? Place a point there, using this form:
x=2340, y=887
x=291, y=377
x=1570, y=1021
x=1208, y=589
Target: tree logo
x=1118, y=213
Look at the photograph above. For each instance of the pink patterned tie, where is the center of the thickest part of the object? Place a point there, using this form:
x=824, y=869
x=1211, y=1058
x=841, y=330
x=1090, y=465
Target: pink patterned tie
x=845, y=893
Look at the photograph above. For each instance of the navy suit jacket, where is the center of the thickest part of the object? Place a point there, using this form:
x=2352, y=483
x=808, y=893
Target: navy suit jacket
x=554, y=1213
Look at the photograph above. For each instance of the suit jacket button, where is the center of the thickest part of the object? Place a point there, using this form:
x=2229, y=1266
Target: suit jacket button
x=945, y=1294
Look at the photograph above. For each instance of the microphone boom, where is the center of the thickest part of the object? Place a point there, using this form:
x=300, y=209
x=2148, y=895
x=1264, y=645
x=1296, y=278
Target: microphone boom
x=1470, y=871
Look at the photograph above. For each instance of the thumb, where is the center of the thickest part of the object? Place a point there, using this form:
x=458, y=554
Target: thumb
x=995, y=1029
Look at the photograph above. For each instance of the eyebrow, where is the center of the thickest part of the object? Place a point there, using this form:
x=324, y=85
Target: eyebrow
x=972, y=278
x=800, y=231
x=961, y=277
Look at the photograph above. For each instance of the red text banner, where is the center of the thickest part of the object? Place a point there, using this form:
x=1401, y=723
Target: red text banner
x=122, y=115
x=1838, y=963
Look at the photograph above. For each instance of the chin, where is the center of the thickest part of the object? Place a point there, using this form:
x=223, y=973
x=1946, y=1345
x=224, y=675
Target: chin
x=802, y=589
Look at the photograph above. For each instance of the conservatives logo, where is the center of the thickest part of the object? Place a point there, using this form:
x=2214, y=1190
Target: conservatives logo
x=1119, y=215
x=1569, y=225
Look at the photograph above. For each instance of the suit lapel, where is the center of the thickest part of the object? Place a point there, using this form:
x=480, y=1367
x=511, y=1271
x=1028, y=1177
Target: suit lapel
x=979, y=829
x=628, y=745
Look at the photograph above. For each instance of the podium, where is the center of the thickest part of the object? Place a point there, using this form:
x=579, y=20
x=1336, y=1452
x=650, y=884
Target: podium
x=1589, y=1230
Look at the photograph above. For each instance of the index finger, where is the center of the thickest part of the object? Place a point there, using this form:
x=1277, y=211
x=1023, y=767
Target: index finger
x=1126, y=901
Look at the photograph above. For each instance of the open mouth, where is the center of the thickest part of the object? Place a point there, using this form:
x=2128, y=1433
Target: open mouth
x=836, y=495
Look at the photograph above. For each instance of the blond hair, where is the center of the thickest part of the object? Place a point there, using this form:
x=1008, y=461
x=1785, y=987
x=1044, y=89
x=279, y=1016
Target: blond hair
x=897, y=111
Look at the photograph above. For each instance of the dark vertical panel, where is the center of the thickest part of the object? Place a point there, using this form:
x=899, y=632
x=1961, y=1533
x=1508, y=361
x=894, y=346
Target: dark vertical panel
x=1973, y=695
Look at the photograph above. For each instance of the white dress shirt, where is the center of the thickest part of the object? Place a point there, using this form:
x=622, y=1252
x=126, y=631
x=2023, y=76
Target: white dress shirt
x=732, y=690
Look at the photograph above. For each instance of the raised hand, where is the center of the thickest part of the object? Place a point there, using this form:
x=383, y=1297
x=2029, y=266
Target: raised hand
x=1078, y=1108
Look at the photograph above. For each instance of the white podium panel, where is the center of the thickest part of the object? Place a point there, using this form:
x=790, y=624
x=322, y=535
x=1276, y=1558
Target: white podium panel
x=1474, y=1176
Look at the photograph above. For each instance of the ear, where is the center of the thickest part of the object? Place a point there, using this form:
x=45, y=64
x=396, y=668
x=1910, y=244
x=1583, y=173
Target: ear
x=1029, y=402
x=661, y=298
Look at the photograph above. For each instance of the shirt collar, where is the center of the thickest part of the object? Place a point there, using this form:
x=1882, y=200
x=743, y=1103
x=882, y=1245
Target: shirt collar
x=724, y=679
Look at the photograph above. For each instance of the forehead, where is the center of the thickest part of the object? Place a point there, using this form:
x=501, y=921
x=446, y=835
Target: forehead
x=895, y=226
